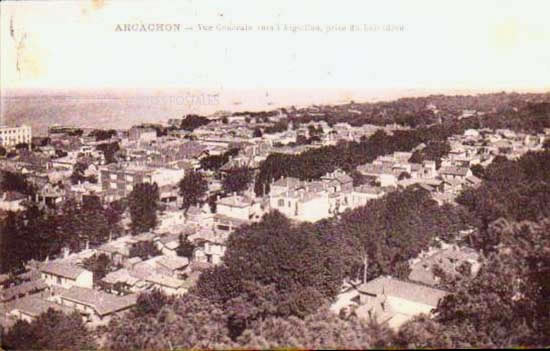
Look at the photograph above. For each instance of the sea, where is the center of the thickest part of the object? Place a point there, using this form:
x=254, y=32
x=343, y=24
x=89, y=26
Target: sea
x=123, y=109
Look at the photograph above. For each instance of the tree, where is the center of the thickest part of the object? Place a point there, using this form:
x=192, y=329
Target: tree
x=193, y=188
x=192, y=122
x=10, y=181
x=78, y=172
x=143, y=205
x=189, y=322
x=185, y=248
x=404, y=175
x=478, y=171
x=22, y=146
x=237, y=179
x=322, y=330
x=100, y=265
x=273, y=268
x=102, y=134
x=109, y=151
x=144, y=250
x=505, y=305
x=52, y=330
x=2, y=151
x=257, y=133
x=150, y=303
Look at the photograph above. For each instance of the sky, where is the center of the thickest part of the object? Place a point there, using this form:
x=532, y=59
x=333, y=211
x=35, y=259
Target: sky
x=443, y=45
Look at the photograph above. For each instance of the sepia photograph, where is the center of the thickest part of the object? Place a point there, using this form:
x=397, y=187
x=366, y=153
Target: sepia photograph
x=254, y=175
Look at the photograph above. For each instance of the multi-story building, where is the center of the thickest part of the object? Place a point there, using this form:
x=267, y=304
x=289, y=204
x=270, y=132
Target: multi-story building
x=11, y=136
x=118, y=181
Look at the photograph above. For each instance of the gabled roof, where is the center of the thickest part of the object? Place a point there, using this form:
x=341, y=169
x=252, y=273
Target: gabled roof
x=290, y=182
x=374, y=169
x=63, y=270
x=406, y=290
x=100, y=301
x=460, y=171
x=120, y=276
x=34, y=306
x=164, y=280
x=173, y=262
x=22, y=289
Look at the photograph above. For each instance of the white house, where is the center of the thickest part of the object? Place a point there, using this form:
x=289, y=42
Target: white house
x=393, y=301
x=66, y=275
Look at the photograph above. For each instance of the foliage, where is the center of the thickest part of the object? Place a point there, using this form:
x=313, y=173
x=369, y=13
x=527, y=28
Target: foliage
x=100, y=265
x=144, y=250
x=192, y=122
x=51, y=330
x=103, y=134
x=395, y=228
x=514, y=189
x=215, y=162
x=505, y=305
x=189, y=322
x=192, y=187
x=273, y=268
x=109, y=151
x=10, y=181
x=237, y=179
x=185, y=248
x=434, y=151
x=322, y=330
x=257, y=133
x=143, y=205
x=36, y=233
x=78, y=174
x=150, y=303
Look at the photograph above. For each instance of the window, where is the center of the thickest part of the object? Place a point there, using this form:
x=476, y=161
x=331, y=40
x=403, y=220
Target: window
x=129, y=178
x=59, y=280
x=113, y=186
x=129, y=187
x=281, y=202
x=289, y=204
x=113, y=176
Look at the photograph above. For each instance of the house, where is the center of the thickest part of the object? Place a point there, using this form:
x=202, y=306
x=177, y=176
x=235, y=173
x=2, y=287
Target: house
x=238, y=207
x=66, y=275
x=343, y=181
x=12, y=201
x=227, y=224
x=384, y=174
x=363, y=193
x=168, y=244
x=95, y=306
x=50, y=195
x=30, y=307
x=117, y=251
x=209, y=245
x=168, y=285
x=171, y=266
x=303, y=205
x=142, y=134
x=124, y=279
x=284, y=184
x=473, y=181
x=455, y=173
x=23, y=289
x=449, y=259
x=393, y=301
x=118, y=181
